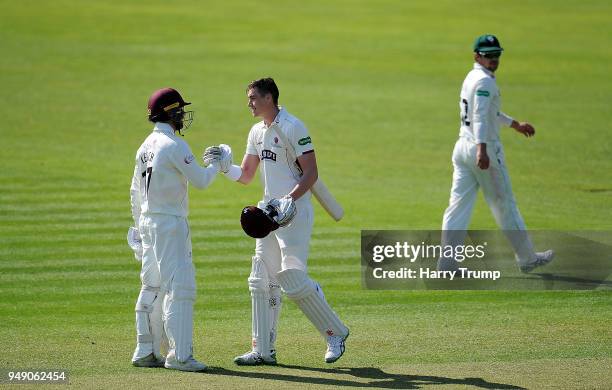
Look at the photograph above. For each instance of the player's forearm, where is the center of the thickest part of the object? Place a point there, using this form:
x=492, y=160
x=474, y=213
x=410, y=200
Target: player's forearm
x=246, y=175
x=239, y=174
x=135, y=198
x=247, y=169
x=244, y=180
x=306, y=182
x=481, y=133
x=505, y=119
x=135, y=202
x=202, y=177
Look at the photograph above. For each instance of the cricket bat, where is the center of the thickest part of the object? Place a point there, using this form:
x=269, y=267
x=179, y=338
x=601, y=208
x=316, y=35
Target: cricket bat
x=318, y=189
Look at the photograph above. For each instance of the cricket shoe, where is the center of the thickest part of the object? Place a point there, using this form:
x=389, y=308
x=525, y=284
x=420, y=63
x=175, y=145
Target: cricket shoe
x=189, y=365
x=335, y=347
x=149, y=361
x=254, y=358
x=542, y=258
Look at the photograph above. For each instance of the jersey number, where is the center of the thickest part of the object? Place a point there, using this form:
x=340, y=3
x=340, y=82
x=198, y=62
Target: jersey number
x=464, y=112
x=147, y=176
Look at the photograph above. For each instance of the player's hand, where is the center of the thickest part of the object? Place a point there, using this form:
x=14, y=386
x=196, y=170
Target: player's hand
x=212, y=156
x=135, y=242
x=285, y=210
x=226, y=158
x=482, y=158
x=525, y=128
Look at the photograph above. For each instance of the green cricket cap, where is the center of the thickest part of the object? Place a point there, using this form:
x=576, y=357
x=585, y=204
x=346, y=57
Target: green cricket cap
x=487, y=43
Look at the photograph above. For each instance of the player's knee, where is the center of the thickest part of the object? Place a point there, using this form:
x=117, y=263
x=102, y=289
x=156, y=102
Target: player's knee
x=296, y=283
x=258, y=279
x=146, y=299
x=183, y=286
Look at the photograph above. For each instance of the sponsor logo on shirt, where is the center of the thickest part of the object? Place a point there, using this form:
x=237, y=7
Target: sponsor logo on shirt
x=268, y=155
x=305, y=141
x=480, y=92
x=189, y=159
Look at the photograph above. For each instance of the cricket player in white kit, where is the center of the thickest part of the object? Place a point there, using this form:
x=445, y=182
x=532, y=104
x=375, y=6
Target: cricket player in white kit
x=478, y=161
x=280, y=260
x=164, y=167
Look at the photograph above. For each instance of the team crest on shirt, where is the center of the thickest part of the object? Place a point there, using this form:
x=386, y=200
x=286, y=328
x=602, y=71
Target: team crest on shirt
x=268, y=155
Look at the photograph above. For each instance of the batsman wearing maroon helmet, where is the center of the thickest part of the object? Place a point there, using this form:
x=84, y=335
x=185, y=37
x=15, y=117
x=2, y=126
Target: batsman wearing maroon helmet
x=164, y=168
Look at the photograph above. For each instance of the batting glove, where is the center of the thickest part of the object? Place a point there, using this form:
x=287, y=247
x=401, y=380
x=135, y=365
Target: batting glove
x=285, y=210
x=212, y=156
x=226, y=158
x=135, y=242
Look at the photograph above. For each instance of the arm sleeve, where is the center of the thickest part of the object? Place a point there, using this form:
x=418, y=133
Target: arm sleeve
x=483, y=91
x=300, y=139
x=135, y=197
x=185, y=162
x=504, y=119
x=250, y=147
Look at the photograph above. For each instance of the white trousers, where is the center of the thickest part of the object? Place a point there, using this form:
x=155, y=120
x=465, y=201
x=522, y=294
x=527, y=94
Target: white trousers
x=167, y=266
x=287, y=247
x=495, y=184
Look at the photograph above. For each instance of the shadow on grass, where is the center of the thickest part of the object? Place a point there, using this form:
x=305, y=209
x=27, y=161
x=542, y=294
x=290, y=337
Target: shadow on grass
x=580, y=282
x=380, y=379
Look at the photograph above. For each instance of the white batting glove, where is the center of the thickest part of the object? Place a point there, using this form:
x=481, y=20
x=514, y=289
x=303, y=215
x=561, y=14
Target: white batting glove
x=212, y=156
x=226, y=158
x=285, y=210
x=135, y=242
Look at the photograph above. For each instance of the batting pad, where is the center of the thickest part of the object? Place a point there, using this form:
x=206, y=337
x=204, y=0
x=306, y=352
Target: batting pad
x=307, y=295
x=178, y=311
x=259, y=285
x=149, y=324
x=276, y=303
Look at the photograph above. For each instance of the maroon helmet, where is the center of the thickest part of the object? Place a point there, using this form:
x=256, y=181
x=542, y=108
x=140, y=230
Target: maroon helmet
x=166, y=105
x=258, y=223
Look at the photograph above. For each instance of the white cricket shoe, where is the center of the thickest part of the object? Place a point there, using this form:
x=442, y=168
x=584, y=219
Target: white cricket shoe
x=189, y=365
x=335, y=347
x=542, y=258
x=253, y=358
x=149, y=361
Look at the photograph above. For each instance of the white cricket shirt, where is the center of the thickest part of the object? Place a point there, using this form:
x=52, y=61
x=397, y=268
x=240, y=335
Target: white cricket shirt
x=164, y=166
x=480, y=107
x=279, y=174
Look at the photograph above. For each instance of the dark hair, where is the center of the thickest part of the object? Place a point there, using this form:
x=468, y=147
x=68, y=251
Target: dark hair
x=265, y=86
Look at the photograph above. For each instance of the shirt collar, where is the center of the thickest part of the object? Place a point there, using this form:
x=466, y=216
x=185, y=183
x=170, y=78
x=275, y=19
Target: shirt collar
x=278, y=119
x=163, y=127
x=480, y=67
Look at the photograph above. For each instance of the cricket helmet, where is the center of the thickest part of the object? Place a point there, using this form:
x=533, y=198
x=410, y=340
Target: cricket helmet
x=487, y=43
x=166, y=105
x=258, y=223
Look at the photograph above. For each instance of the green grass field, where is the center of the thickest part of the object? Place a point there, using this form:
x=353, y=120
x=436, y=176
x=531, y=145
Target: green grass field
x=377, y=84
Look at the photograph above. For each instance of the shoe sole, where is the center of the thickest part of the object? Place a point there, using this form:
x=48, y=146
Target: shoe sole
x=260, y=363
x=186, y=370
x=342, y=353
x=148, y=365
x=527, y=270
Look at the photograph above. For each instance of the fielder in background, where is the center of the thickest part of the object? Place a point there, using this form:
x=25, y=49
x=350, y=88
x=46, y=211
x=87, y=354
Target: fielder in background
x=280, y=260
x=164, y=167
x=478, y=161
